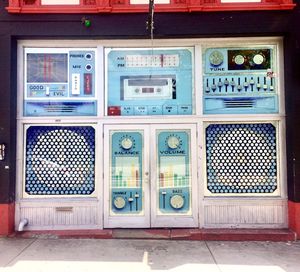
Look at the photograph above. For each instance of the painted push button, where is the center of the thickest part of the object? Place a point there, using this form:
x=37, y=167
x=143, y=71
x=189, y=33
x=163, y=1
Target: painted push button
x=177, y=201
x=119, y=202
x=88, y=56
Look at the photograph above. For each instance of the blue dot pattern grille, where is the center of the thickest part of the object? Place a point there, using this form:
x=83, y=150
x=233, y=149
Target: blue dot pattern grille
x=60, y=160
x=241, y=158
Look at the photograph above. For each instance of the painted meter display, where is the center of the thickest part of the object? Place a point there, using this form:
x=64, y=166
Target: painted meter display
x=240, y=80
x=174, y=183
x=126, y=172
x=59, y=82
x=149, y=81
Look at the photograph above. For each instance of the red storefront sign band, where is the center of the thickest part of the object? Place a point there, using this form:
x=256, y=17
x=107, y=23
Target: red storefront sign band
x=126, y=6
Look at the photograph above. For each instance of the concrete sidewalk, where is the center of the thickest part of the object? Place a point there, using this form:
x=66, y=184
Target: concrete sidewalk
x=85, y=255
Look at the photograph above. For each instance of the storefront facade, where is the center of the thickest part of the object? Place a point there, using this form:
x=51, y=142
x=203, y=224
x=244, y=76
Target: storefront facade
x=109, y=126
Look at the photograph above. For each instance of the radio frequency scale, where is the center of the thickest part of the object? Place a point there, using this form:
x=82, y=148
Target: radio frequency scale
x=149, y=81
x=240, y=80
x=60, y=82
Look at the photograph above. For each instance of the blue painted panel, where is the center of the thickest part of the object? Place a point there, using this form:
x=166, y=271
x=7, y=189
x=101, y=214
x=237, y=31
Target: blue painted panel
x=126, y=172
x=239, y=81
x=174, y=171
x=66, y=108
x=57, y=79
x=83, y=63
x=151, y=79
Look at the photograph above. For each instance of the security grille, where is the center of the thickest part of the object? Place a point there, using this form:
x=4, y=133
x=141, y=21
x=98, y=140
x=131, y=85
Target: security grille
x=241, y=158
x=60, y=160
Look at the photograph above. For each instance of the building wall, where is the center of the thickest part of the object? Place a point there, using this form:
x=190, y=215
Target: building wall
x=132, y=26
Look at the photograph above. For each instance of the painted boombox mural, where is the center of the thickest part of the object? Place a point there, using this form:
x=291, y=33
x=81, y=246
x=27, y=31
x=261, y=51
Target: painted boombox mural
x=240, y=80
x=174, y=171
x=149, y=81
x=60, y=81
x=126, y=175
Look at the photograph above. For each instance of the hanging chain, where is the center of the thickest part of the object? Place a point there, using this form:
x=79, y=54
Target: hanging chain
x=150, y=21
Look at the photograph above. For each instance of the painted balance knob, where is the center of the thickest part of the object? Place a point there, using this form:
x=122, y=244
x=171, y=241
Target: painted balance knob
x=126, y=143
x=177, y=201
x=119, y=202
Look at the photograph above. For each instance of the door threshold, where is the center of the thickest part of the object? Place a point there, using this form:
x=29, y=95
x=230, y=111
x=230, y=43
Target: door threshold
x=275, y=235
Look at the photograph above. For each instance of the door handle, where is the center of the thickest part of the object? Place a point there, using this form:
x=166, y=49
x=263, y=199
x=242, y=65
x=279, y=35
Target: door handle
x=146, y=178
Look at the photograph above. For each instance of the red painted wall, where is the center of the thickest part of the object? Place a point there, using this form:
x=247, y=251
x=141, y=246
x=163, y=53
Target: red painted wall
x=294, y=217
x=7, y=218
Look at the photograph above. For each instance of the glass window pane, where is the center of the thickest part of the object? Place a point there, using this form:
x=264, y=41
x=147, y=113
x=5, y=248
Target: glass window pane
x=173, y=172
x=126, y=184
x=60, y=160
x=241, y=158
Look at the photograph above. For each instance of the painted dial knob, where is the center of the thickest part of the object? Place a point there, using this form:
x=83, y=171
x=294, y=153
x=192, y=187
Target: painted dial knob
x=119, y=202
x=258, y=59
x=173, y=142
x=177, y=201
x=126, y=143
x=216, y=58
x=239, y=59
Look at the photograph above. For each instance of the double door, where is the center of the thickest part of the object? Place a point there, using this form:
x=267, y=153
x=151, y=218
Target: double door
x=150, y=177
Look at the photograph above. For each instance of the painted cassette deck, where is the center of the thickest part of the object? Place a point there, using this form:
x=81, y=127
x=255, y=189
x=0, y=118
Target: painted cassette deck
x=149, y=81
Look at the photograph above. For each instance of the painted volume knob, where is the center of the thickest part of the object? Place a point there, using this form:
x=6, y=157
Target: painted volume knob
x=173, y=142
x=177, y=201
x=216, y=58
x=126, y=143
x=119, y=202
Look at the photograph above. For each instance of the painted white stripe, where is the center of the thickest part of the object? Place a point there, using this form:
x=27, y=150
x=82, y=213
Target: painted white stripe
x=60, y=2
x=137, y=2
x=240, y=1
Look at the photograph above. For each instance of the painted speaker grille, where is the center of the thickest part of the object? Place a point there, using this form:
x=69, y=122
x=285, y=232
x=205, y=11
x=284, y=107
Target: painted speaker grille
x=241, y=158
x=60, y=160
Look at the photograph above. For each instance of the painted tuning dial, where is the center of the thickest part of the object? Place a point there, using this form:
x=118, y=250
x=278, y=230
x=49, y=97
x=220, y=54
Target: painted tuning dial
x=239, y=59
x=173, y=142
x=216, y=58
x=126, y=143
x=258, y=59
x=119, y=202
x=177, y=201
